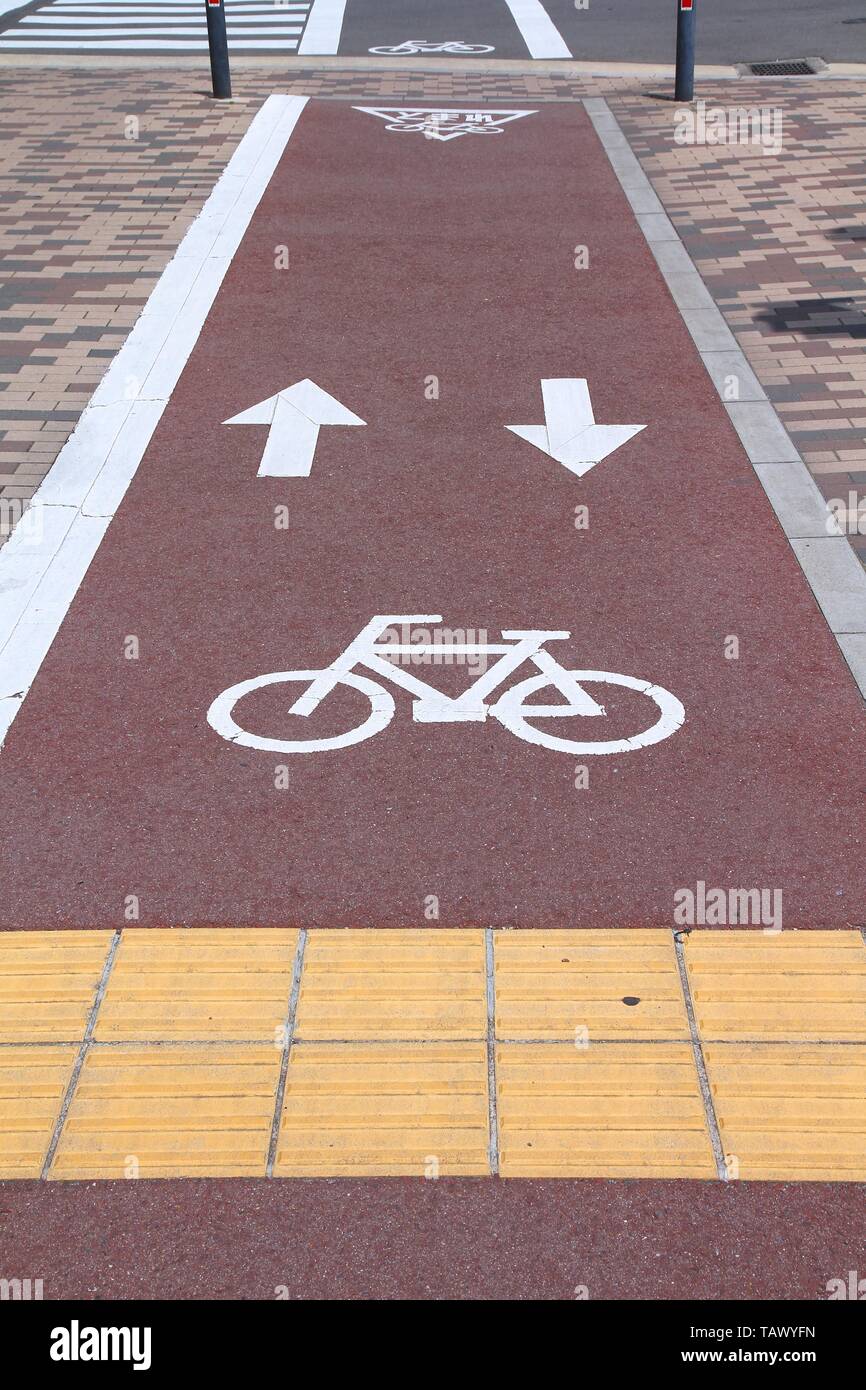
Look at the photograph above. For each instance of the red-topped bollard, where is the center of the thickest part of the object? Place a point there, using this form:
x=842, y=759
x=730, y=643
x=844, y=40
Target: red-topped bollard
x=685, y=78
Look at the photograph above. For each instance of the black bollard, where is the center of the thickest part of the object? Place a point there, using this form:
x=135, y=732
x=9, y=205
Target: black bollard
x=219, y=49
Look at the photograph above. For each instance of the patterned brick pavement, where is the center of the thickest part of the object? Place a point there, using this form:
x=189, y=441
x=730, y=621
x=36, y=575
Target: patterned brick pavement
x=780, y=239
x=102, y=171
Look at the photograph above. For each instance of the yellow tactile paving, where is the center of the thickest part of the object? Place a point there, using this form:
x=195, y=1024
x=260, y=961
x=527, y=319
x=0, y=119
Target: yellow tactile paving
x=571, y=984
x=198, y=985
x=387, y=1109
x=388, y=1070
x=393, y=985
x=150, y=1112
x=617, y=1110
x=48, y=982
x=761, y=986
x=33, y=1082
x=789, y=1112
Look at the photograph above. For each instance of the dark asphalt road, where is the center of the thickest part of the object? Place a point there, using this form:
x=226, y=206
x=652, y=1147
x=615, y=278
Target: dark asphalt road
x=729, y=31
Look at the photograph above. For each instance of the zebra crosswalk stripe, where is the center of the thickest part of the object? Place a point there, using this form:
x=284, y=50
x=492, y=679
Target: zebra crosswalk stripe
x=156, y=25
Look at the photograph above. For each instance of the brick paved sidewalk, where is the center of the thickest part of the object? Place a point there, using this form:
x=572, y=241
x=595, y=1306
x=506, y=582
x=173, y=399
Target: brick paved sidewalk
x=780, y=239
x=99, y=182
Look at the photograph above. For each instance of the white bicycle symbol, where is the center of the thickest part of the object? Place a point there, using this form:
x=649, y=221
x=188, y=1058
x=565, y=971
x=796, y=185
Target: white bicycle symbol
x=430, y=706
x=414, y=46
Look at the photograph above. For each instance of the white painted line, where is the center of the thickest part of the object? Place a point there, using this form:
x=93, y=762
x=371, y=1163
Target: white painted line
x=38, y=580
x=145, y=23
x=186, y=45
x=169, y=8
x=538, y=30
x=242, y=29
x=132, y=7
x=324, y=27
x=835, y=575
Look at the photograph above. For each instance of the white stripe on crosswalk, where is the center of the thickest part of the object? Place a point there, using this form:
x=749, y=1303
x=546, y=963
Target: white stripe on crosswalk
x=265, y=13
x=151, y=33
x=170, y=6
x=188, y=45
x=151, y=27
x=150, y=8
x=170, y=25
x=324, y=27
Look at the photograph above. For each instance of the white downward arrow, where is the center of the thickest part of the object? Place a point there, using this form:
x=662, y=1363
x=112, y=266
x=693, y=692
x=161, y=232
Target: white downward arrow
x=569, y=433
x=294, y=416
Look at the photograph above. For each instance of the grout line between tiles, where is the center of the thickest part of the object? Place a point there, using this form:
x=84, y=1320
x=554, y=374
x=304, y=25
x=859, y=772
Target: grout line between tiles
x=289, y=1033
x=493, y=1110
x=82, y=1055
x=700, y=1063
x=623, y=1040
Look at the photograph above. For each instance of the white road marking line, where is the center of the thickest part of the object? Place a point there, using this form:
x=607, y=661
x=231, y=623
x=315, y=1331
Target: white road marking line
x=38, y=581
x=538, y=30
x=168, y=7
x=152, y=25
x=259, y=15
x=188, y=45
x=324, y=27
x=179, y=33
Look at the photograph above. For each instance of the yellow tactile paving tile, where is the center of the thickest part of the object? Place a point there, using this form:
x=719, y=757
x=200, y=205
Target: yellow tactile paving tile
x=48, y=983
x=192, y=984
x=608, y=1110
x=388, y=1071
x=399, y=985
x=762, y=986
x=186, y=1111
x=385, y=1110
x=570, y=984
x=787, y=1112
x=33, y=1082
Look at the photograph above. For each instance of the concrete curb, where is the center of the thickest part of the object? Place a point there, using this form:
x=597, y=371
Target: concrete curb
x=834, y=573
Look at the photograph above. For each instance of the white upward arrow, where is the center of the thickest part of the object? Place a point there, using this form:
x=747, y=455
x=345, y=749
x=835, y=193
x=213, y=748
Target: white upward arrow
x=294, y=416
x=569, y=433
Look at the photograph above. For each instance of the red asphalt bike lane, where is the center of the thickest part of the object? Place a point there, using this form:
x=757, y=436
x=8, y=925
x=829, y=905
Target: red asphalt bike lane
x=403, y=1238
x=411, y=258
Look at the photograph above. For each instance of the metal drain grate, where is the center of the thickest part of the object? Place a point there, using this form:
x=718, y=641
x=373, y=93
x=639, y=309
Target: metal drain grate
x=794, y=67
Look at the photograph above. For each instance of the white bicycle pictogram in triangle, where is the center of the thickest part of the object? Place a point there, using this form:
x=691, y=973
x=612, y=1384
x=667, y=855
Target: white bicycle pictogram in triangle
x=431, y=706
